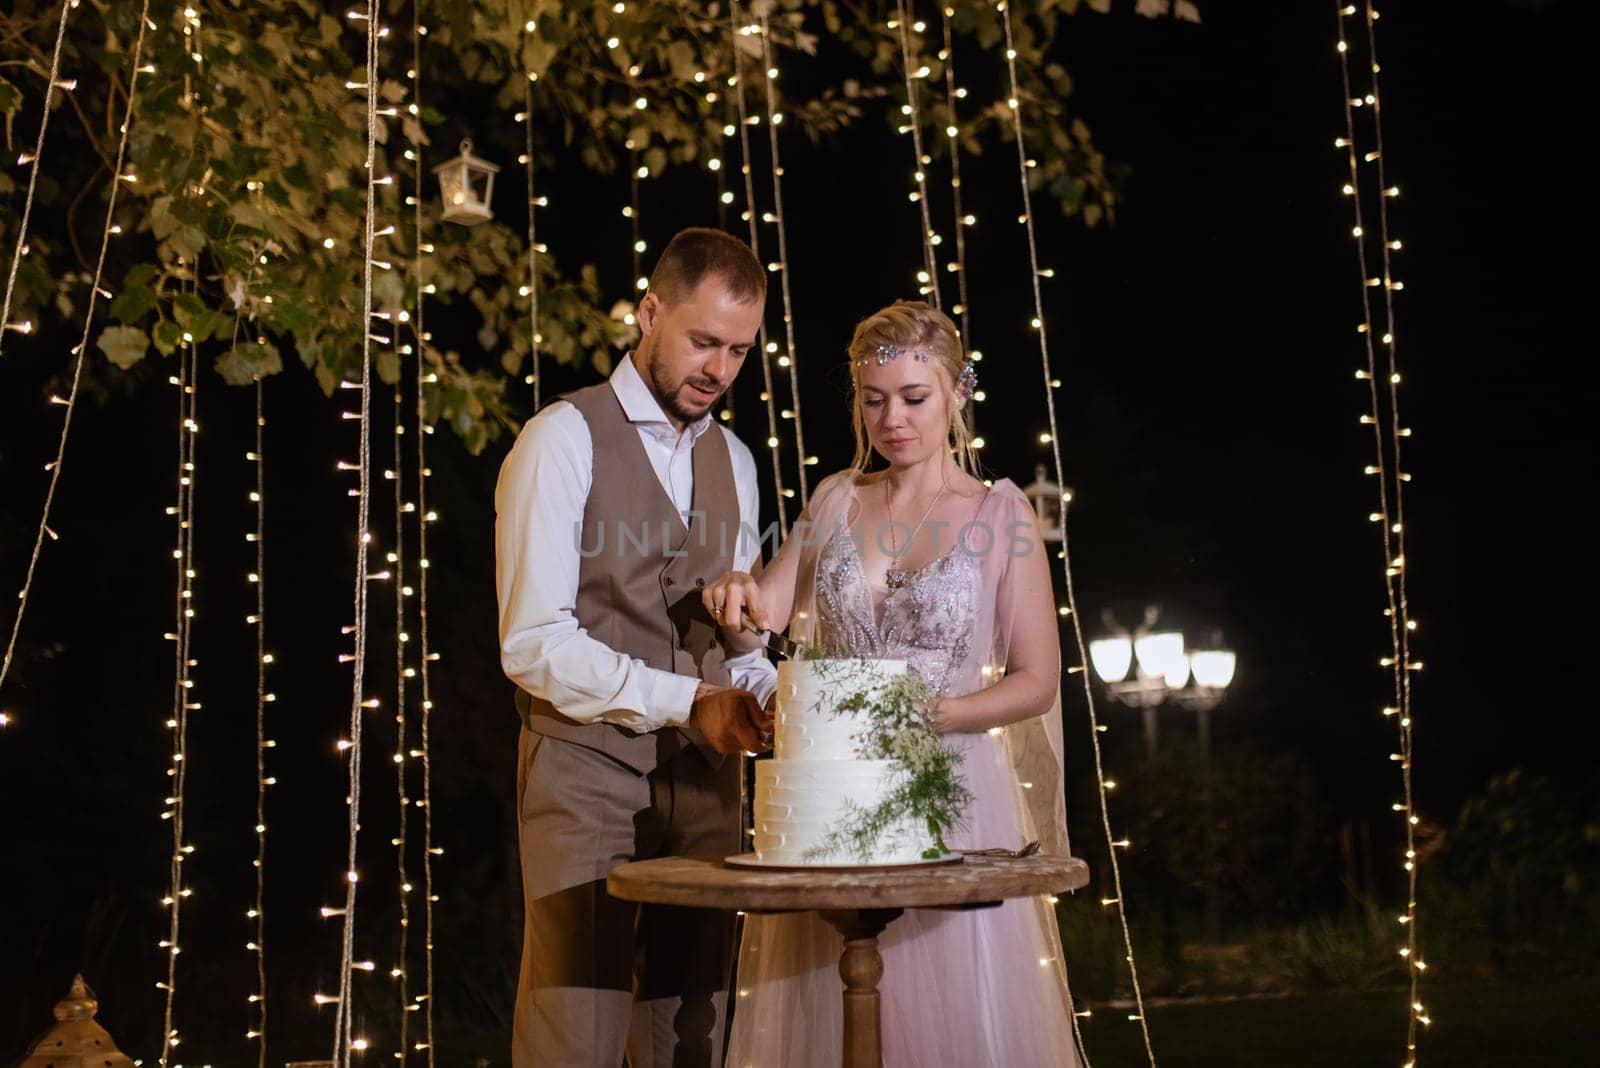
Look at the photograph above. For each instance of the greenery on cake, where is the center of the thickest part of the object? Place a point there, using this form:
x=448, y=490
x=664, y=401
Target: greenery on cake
x=898, y=727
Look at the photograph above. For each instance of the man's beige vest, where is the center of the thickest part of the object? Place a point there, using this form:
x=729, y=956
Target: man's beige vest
x=637, y=569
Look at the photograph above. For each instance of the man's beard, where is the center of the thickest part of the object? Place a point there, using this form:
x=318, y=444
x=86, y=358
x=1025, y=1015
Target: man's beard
x=667, y=394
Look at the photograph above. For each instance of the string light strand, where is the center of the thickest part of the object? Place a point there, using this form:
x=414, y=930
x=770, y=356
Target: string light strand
x=736, y=83
x=344, y=1015
x=535, y=377
x=789, y=359
x=1387, y=468
x=397, y=561
x=919, y=174
x=1015, y=108
x=635, y=225
x=107, y=231
x=424, y=653
x=183, y=683
x=36, y=161
x=953, y=132
x=259, y=913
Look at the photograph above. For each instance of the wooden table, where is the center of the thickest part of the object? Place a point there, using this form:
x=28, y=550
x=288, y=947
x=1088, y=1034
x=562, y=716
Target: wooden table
x=859, y=904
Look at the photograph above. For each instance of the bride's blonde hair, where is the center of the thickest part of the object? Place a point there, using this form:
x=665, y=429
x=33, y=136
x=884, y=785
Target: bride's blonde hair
x=913, y=326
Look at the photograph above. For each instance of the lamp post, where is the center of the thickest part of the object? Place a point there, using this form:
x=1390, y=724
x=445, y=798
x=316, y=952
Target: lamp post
x=1151, y=666
x=1142, y=669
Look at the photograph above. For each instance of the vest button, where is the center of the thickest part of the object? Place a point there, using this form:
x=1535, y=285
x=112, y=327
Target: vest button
x=667, y=581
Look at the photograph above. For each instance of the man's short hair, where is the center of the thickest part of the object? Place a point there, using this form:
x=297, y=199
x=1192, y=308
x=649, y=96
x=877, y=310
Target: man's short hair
x=699, y=252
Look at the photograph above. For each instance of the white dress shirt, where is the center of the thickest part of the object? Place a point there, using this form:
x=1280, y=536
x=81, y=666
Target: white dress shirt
x=539, y=503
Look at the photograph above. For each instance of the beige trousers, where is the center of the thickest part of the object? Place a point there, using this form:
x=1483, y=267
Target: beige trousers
x=603, y=977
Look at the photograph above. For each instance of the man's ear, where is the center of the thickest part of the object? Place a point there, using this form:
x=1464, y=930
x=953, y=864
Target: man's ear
x=650, y=308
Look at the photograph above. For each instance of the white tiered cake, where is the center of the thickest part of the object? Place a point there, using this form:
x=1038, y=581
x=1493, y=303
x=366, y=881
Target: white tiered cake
x=815, y=780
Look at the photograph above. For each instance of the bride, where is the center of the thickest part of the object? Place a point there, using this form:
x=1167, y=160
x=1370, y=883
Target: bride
x=921, y=561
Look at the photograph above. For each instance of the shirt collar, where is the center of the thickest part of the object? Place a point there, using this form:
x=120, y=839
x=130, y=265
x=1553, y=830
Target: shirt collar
x=640, y=405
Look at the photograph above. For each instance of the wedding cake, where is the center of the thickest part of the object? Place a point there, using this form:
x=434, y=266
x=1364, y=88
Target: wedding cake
x=821, y=800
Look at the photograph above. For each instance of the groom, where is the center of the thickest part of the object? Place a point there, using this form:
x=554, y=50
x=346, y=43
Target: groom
x=610, y=506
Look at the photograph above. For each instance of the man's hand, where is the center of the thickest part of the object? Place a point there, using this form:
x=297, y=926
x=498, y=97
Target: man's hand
x=731, y=719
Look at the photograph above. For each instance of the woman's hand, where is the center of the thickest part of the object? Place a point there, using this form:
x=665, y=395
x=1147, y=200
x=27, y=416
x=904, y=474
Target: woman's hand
x=733, y=597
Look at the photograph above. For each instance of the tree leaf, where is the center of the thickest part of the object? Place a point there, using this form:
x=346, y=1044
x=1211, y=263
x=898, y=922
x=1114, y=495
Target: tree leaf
x=247, y=214
x=123, y=345
x=288, y=312
x=133, y=303
x=162, y=221
x=188, y=240
x=167, y=335
x=188, y=310
x=247, y=361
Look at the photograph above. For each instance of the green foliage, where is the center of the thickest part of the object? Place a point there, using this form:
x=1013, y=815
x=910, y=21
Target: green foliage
x=242, y=196
x=1510, y=892
x=1266, y=846
x=1516, y=881
x=899, y=727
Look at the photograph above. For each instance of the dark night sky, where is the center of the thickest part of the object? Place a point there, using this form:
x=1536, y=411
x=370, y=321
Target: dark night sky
x=1209, y=426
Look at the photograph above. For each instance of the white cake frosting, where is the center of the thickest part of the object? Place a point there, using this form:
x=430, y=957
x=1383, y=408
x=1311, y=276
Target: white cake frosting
x=815, y=779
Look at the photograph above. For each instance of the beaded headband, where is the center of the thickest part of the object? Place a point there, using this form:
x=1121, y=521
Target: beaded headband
x=885, y=353
x=966, y=381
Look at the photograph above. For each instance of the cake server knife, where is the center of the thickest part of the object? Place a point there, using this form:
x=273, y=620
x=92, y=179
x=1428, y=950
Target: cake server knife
x=787, y=648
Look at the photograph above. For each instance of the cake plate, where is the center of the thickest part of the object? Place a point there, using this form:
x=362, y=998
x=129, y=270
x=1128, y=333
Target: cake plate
x=751, y=860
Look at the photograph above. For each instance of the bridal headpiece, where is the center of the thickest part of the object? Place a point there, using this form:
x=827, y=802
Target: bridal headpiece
x=967, y=381
x=884, y=353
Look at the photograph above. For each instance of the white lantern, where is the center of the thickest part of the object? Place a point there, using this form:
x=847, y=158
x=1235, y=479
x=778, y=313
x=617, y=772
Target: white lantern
x=466, y=183
x=1047, y=501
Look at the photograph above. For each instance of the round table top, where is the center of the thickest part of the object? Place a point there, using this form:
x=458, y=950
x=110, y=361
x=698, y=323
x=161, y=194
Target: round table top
x=708, y=882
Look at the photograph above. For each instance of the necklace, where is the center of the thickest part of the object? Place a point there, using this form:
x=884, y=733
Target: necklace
x=895, y=577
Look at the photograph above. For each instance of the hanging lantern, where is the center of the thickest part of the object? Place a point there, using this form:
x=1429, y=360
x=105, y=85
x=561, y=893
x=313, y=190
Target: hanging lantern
x=1047, y=505
x=466, y=183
